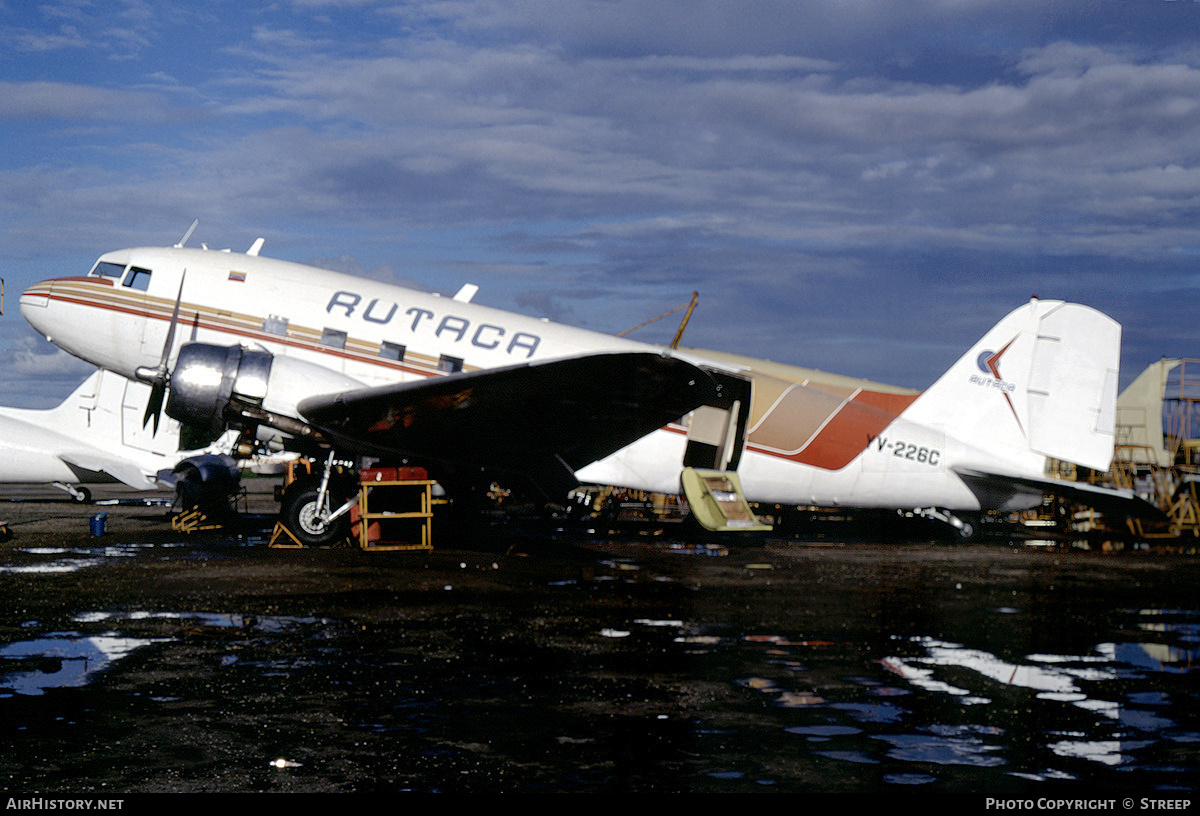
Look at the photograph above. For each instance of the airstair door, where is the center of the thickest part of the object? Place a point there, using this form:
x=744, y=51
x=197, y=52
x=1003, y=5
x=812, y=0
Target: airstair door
x=716, y=433
x=716, y=501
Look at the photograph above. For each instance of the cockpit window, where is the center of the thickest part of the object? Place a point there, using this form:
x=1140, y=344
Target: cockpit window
x=108, y=270
x=138, y=279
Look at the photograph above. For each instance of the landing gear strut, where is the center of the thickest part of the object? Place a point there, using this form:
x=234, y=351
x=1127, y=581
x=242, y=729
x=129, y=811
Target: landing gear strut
x=964, y=529
x=308, y=508
x=77, y=492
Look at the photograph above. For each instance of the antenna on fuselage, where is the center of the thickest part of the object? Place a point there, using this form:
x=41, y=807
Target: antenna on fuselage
x=187, y=234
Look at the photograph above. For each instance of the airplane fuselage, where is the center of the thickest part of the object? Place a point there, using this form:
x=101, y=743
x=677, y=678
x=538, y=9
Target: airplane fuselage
x=371, y=331
x=812, y=439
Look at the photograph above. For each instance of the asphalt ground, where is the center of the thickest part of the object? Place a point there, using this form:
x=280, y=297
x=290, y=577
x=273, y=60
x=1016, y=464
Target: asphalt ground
x=535, y=659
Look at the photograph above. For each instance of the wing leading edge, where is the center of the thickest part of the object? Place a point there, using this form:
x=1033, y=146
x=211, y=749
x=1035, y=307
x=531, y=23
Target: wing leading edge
x=544, y=419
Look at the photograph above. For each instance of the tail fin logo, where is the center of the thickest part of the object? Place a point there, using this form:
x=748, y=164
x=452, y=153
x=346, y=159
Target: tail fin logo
x=988, y=363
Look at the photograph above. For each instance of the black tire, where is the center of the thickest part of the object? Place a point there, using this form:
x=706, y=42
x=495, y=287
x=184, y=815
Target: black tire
x=298, y=515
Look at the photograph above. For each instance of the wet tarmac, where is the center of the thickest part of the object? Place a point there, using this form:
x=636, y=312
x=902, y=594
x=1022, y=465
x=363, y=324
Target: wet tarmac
x=144, y=660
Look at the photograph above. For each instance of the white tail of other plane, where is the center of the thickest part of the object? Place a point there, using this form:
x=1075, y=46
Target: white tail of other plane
x=95, y=435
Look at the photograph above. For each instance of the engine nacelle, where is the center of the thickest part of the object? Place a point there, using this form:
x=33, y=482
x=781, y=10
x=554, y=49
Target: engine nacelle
x=216, y=386
x=208, y=481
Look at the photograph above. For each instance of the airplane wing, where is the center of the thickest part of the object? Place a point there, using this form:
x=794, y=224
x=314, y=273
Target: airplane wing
x=543, y=419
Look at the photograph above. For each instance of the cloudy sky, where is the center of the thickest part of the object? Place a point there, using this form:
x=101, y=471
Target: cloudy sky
x=863, y=187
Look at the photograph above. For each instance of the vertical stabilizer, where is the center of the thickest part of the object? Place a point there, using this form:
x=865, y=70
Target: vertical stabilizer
x=1042, y=383
x=106, y=411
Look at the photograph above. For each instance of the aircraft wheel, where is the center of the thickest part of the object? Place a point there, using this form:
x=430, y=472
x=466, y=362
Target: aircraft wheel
x=82, y=495
x=299, y=513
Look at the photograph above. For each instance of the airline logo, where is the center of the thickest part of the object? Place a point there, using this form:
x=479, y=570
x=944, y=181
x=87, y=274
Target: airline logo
x=989, y=363
x=989, y=366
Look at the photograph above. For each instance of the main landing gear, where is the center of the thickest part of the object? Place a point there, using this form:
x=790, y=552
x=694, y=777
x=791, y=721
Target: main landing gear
x=378, y=508
x=315, y=508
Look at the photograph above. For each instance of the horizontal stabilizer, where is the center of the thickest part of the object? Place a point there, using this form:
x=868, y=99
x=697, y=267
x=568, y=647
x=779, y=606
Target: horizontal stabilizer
x=118, y=469
x=1002, y=489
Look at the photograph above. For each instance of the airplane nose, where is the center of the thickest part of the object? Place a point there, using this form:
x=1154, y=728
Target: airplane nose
x=76, y=314
x=44, y=308
x=37, y=295
x=35, y=302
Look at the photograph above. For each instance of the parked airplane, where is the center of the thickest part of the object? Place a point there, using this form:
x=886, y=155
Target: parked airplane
x=307, y=358
x=95, y=436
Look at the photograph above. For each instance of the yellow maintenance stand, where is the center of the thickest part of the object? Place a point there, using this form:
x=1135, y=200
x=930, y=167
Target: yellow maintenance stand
x=393, y=509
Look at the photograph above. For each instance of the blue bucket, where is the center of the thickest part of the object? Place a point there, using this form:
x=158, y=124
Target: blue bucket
x=98, y=522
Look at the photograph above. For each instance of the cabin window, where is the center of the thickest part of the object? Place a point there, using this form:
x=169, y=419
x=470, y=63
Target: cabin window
x=450, y=364
x=138, y=279
x=105, y=269
x=333, y=338
x=274, y=324
x=391, y=351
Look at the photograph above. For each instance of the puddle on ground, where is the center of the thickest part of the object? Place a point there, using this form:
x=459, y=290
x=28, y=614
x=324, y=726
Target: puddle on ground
x=1125, y=716
x=61, y=660
x=55, y=560
x=71, y=659
x=741, y=696
x=51, y=560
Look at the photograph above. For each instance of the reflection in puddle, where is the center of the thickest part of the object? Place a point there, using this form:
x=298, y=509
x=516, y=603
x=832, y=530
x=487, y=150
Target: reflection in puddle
x=1057, y=684
x=71, y=559
x=53, y=560
x=62, y=660
x=217, y=620
x=71, y=659
x=1111, y=705
x=1107, y=752
x=964, y=749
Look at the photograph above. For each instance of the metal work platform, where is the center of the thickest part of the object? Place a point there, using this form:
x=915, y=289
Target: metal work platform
x=393, y=511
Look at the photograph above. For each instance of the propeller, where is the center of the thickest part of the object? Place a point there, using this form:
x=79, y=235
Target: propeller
x=159, y=377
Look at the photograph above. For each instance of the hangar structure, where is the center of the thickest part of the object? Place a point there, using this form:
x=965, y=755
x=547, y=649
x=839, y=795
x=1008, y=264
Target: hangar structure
x=1157, y=452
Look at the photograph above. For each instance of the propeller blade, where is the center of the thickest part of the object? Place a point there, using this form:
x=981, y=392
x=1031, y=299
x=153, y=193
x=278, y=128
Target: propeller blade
x=154, y=405
x=160, y=377
x=162, y=365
